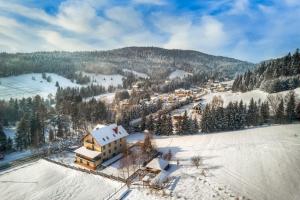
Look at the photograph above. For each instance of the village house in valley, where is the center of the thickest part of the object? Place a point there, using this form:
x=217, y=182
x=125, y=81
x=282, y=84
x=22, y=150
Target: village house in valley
x=103, y=143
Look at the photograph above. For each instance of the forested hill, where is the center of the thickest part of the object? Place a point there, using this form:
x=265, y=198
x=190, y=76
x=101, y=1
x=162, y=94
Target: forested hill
x=156, y=62
x=272, y=76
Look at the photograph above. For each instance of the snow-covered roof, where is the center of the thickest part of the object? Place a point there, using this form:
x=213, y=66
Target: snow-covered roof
x=157, y=163
x=105, y=134
x=160, y=178
x=86, y=152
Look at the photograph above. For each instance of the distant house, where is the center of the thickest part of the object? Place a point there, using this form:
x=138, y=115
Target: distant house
x=104, y=142
x=157, y=165
x=183, y=93
x=198, y=108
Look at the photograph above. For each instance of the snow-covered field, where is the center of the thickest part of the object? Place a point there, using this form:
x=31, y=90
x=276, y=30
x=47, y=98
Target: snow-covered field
x=246, y=96
x=138, y=74
x=179, y=74
x=24, y=86
x=257, y=163
x=105, y=80
x=45, y=180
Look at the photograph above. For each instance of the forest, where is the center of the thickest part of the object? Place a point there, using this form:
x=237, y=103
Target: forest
x=272, y=76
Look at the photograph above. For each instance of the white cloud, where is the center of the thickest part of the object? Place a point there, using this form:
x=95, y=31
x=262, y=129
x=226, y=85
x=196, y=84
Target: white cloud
x=206, y=34
x=55, y=41
x=154, y=2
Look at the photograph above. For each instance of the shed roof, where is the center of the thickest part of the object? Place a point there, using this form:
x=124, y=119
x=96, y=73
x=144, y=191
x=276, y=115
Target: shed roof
x=157, y=163
x=87, y=153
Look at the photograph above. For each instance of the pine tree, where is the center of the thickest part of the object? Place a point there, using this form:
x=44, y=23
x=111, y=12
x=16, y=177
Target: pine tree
x=279, y=115
x=9, y=144
x=150, y=124
x=185, y=124
x=205, y=123
x=196, y=125
x=23, y=133
x=158, y=125
x=264, y=113
x=51, y=135
x=169, y=125
x=290, y=107
x=298, y=111
x=143, y=122
x=2, y=139
x=242, y=114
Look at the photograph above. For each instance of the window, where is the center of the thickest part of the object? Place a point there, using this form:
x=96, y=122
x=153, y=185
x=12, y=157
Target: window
x=104, y=154
x=120, y=144
x=87, y=163
x=115, y=148
x=109, y=144
x=103, y=147
x=107, y=137
x=115, y=142
x=109, y=151
x=103, y=139
x=114, y=135
x=80, y=160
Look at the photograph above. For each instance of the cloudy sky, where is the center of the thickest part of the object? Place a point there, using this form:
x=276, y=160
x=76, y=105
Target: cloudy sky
x=250, y=30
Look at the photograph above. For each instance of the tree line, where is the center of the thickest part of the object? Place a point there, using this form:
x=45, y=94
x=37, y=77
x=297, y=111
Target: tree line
x=237, y=115
x=272, y=76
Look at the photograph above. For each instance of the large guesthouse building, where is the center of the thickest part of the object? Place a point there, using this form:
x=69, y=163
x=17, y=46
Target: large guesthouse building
x=103, y=143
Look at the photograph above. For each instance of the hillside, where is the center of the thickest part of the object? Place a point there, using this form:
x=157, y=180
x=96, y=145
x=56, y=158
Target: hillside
x=153, y=61
x=272, y=75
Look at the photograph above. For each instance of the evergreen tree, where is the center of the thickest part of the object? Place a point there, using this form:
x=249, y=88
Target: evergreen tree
x=169, y=125
x=158, y=126
x=279, y=115
x=205, y=121
x=290, y=107
x=298, y=111
x=264, y=112
x=195, y=126
x=143, y=122
x=51, y=135
x=23, y=133
x=242, y=114
x=185, y=124
x=9, y=144
x=150, y=124
x=2, y=139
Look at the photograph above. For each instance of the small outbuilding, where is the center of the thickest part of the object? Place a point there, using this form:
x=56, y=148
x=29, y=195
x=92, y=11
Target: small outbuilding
x=157, y=165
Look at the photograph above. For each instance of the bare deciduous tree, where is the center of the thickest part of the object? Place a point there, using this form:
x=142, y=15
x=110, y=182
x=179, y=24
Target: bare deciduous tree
x=196, y=161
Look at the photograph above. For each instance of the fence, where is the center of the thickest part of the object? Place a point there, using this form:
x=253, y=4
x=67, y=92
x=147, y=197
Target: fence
x=116, y=178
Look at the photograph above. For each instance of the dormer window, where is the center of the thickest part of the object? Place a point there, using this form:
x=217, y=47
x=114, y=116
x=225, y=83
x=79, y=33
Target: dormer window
x=114, y=135
x=107, y=137
x=103, y=139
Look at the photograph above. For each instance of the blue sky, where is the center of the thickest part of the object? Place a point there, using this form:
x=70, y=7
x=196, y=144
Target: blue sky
x=251, y=30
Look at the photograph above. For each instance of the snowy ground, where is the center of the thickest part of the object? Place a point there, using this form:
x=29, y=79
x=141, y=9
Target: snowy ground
x=24, y=86
x=108, y=97
x=105, y=80
x=179, y=74
x=257, y=163
x=138, y=74
x=15, y=156
x=246, y=96
x=45, y=180
x=10, y=132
